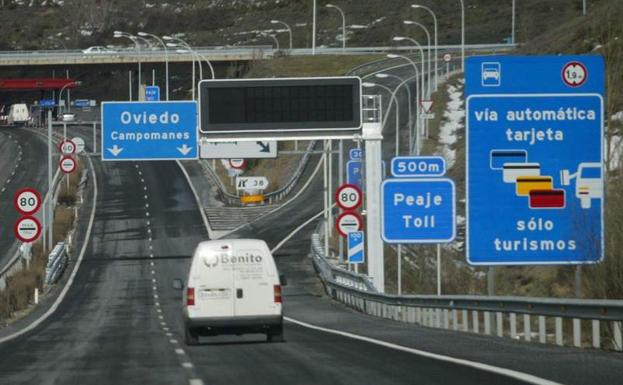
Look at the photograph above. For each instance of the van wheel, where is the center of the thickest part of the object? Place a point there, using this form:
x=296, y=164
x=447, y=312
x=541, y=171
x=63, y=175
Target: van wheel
x=190, y=337
x=275, y=335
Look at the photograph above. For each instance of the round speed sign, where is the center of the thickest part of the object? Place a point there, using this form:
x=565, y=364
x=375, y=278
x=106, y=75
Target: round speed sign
x=67, y=147
x=67, y=164
x=348, y=197
x=447, y=57
x=238, y=164
x=27, y=201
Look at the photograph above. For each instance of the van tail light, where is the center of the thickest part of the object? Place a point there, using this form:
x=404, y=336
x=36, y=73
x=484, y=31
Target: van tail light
x=190, y=296
x=277, y=292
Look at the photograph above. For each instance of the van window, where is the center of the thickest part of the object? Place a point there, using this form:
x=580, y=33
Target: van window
x=591, y=173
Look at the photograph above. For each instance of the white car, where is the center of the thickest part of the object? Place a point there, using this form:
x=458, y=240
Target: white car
x=233, y=288
x=68, y=117
x=97, y=50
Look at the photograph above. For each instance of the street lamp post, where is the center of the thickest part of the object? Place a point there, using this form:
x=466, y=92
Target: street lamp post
x=409, y=99
x=422, y=70
x=195, y=56
x=462, y=35
x=416, y=6
x=184, y=44
x=287, y=26
x=273, y=37
x=119, y=34
x=166, y=59
x=343, y=24
x=314, y=29
x=409, y=22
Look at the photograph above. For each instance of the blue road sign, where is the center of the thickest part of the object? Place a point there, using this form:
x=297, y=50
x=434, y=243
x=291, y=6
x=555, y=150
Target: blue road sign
x=47, y=103
x=353, y=172
x=82, y=103
x=152, y=94
x=355, y=153
x=356, y=247
x=534, y=160
x=149, y=130
x=420, y=210
x=418, y=166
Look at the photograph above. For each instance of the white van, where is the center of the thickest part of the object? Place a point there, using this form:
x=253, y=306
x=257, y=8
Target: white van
x=233, y=288
x=18, y=114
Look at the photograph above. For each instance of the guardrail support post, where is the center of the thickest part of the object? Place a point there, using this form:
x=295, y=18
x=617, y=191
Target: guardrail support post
x=596, y=334
x=465, y=320
x=446, y=321
x=513, y=319
x=577, y=333
x=618, y=338
x=475, y=315
x=499, y=324
x=487, y=323
x=542, y=331
x=526, y=327
x=455, y=320
x=559, y=339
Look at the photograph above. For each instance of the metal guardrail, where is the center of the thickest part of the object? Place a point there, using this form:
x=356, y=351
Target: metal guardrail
x=468, y=312
x=57, y=261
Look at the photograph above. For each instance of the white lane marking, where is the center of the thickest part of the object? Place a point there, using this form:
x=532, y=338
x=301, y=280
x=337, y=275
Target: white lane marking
x=529, y=378
x=147, y=213
x=195, y=381
x=157, y=303
x=169, y=334
x=148, y=223
x=70, y=281
x=151, y=248
x=165, y=329
x=179, y=351
x=152, y=263
x=163, y=323
x=156, y=296
x=145, y=188
x=145, y=197
x=142, y=180
x=151, y=255
x=136, y=165
x=286, y=239
x=147, y=205
x=153, y=280
x=187, y=365
x=140, y=173
x=159, y=310
x=160, y=317
x=173, y=341
x=3, y=189
x=8, y=181
x=153, y=272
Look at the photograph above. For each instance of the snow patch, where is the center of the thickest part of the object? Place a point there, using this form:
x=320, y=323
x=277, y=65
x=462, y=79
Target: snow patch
x=453, y=121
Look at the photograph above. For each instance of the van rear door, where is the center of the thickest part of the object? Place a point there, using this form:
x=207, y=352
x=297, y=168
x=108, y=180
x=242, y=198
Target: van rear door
x=255, y=277
x=214, y=290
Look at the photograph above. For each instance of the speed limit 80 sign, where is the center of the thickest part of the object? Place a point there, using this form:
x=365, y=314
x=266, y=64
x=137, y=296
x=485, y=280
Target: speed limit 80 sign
x=348, y=197
x=27, y=201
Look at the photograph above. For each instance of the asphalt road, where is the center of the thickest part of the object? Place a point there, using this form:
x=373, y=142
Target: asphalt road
x=23, y=160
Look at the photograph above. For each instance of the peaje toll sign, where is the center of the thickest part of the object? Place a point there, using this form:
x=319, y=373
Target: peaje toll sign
x=27, y=229
x=27, y=201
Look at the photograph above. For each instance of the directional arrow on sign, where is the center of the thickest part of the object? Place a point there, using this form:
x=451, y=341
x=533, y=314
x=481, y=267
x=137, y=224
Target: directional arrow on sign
x=184, y=149
x=115, y=150
x=264, y=147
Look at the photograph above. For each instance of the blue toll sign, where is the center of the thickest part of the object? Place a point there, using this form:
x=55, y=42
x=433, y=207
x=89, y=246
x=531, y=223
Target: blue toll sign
x=149, y=130
x=420, y=210
x=356, y=247
x=353, y=172
x=534, y=160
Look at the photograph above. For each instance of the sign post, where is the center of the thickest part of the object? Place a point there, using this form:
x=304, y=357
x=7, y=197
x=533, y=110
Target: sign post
x=356, y=247
x=535, y=175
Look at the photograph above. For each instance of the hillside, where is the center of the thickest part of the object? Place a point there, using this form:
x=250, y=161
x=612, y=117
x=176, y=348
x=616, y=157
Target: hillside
x=28, y=24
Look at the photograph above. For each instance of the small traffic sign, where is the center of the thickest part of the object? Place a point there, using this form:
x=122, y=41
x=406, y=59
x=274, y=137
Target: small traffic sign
x=67, y=147
x=67, y=164
x=418, y=210
x=27, y=229
x=47, y=103
x=447, y=57
x=152, y=94
x=251, y=183
x=347, y=222
x=238, y=164
x=79, y=142
x=82, y=103
x=353, y=172
x=355, y=154
x=426, y=105
x=348, y=197
x=418, y=166
x=27, y=201
x=574, y=74
x=356, y=247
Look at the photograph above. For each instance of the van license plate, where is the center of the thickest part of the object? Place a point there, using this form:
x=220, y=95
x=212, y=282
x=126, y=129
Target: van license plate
x=214, y=294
